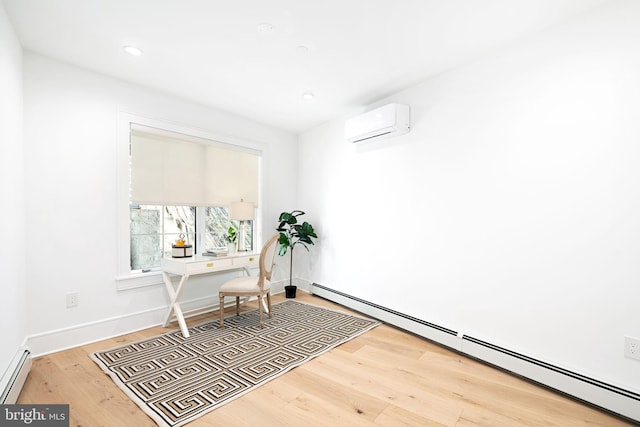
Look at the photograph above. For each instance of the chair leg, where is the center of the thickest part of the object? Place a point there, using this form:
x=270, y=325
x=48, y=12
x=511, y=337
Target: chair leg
x=221, y=310
x=269, y=303
x=261, y=312
x=237, y=306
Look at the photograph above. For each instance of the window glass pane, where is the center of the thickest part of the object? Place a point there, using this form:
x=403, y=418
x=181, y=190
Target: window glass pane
x=218, y=223
x=217, y=220
x=145, y=228
x=145, y=252
x=154, y=229
x=180, y=219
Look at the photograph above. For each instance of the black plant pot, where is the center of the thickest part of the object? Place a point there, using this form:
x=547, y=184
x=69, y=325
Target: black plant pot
x=290, y=291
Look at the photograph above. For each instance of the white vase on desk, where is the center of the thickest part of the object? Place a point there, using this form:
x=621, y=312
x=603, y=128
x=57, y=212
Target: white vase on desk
x=231, y=248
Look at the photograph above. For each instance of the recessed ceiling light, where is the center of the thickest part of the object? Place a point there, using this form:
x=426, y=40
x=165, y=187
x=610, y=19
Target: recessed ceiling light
x=265, y=28
x=132, y=50
x=308, y=96
x=302, y=49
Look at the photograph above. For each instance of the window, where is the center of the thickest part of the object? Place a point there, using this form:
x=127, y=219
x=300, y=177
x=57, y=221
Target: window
x=154, y=229
x=178, y=181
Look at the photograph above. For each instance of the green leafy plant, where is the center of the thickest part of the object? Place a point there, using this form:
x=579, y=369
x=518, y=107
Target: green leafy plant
x=292, y=234
x=232, y=235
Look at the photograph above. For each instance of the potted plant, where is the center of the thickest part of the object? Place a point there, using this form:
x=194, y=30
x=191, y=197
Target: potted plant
x=291, y=234
x=231, y=237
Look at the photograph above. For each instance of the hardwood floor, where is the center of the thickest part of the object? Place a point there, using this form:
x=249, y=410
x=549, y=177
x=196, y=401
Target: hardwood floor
x=384, y=377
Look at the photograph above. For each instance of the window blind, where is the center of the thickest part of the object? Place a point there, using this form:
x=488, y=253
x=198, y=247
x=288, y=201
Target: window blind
x=171, y=169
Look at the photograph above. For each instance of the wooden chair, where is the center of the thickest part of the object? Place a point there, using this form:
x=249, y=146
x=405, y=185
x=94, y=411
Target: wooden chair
x=253, y=286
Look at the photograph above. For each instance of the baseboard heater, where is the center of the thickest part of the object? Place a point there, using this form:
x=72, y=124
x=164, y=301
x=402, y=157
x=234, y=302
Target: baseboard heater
x=15, y=376
x=615, y=400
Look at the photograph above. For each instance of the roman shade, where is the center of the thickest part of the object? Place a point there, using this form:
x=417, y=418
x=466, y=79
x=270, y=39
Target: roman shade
x=172, y=169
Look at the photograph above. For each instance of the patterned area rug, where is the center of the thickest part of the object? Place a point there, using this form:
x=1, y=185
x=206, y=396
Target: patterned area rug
x=176, y=379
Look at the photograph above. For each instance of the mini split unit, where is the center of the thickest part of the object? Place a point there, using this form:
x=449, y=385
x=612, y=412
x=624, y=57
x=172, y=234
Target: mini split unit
x=389, y=120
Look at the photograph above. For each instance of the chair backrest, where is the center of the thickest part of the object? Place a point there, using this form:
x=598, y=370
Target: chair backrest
x=267, y=256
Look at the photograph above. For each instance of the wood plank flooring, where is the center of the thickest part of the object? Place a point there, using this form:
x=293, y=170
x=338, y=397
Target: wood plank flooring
x=385, y=377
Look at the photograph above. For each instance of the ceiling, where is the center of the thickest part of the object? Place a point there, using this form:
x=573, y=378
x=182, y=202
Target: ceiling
x=348, y=53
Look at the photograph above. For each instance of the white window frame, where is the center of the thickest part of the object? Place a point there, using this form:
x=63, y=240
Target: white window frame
x=125, y=278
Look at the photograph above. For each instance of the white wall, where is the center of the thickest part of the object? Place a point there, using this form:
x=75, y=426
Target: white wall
x=12, y=228
x=511, y=210
x=71, y=118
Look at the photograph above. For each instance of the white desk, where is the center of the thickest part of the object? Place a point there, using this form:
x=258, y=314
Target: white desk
x=199, y=264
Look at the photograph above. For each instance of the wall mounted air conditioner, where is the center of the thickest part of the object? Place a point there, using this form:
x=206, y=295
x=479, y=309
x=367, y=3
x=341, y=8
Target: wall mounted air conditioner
x=389, y=120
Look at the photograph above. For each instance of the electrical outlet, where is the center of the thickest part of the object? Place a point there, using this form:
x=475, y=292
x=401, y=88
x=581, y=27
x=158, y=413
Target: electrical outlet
x=632, y=348
x=72, y=299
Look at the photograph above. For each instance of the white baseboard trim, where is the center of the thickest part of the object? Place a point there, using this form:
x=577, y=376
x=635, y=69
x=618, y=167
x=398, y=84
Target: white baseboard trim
x=73, y=336
x=621, y=402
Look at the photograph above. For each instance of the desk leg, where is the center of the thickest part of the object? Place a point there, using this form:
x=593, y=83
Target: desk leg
x=174, y=307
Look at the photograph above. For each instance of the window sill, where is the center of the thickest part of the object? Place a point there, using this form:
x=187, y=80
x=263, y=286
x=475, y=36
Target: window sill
x=138, y=280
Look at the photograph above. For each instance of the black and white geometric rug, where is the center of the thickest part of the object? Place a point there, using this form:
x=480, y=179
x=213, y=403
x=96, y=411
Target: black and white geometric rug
x=176, y=379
